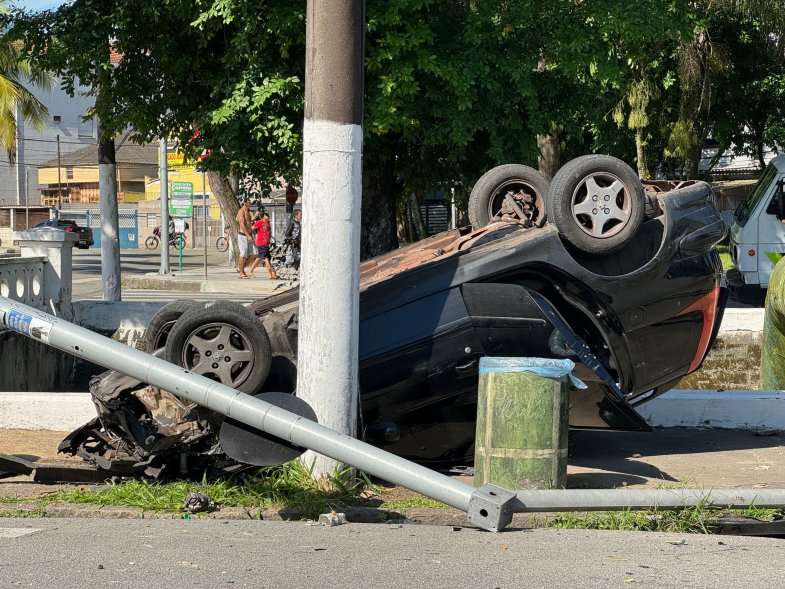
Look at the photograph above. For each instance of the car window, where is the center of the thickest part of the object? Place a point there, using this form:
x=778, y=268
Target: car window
x=745, y=209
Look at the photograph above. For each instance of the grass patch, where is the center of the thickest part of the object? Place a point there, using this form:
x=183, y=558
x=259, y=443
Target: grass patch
x=724, y=252
x=413, y=502
x=695, y=520
x=290, y=486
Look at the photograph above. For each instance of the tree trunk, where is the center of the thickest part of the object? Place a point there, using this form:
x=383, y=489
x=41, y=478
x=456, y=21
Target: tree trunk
x=640, y=150
x=227, y=201
x=379, y=233
x=759, y=150
x=692, y=163
x=420, y=231
x=379, y=229
x=549, y=147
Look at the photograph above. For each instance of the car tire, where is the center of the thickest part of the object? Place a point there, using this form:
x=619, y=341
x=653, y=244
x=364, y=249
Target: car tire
x=161, y=325
x=223, y=341
x=526, y=185
x=597, y=203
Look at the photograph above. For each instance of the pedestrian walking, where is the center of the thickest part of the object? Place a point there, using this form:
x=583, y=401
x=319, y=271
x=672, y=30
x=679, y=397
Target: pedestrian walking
x=262, y=237
x=293, y=235
x=245, y=244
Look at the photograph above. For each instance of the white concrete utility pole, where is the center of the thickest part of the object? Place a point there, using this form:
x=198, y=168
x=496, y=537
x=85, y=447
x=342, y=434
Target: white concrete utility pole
x=110, y=226
x=332, y=187
x=163, y=182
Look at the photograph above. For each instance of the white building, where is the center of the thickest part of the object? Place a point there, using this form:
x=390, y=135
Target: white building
x=19, y=180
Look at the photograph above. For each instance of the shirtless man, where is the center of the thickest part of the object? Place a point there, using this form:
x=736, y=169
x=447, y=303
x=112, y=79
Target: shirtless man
x=245, y=238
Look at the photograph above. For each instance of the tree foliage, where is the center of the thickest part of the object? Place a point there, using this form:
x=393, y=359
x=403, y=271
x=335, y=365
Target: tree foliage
x=452, y=87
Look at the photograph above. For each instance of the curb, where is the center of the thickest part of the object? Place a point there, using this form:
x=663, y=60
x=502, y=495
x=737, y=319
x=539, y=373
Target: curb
x=355, y=515
x=161, y=284
x=745, y=410
x=186, y=285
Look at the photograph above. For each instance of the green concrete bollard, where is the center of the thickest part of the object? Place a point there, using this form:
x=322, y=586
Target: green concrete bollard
x=772, y=365
x=522, y=426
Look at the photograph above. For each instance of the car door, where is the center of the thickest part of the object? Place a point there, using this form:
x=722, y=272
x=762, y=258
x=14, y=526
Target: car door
x=771, y=236
x=418, y=377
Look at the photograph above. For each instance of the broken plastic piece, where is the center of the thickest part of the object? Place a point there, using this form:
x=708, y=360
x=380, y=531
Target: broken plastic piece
x=332, y=519
x=545, y=367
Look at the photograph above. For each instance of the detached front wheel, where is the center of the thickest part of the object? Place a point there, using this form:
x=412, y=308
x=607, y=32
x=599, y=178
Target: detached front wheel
x=597, y=203
x=224, y=342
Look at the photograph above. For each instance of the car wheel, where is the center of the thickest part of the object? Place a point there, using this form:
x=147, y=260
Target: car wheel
x=597, y=203
x=224, y=342
x=512, y=192
x=151, y=242
x=161, y=324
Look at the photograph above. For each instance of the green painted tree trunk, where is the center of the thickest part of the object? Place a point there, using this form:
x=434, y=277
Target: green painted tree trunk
x=772, y=366
x=522, y=428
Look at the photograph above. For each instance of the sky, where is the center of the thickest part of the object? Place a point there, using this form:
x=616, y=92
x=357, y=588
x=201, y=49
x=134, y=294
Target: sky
x=37, y=4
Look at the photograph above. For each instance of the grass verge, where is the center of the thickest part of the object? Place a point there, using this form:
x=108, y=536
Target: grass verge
x=696, y=520
x=290, y=487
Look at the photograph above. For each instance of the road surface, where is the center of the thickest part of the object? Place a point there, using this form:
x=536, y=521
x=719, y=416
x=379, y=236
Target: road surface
x=190, y=554
x=87, y=275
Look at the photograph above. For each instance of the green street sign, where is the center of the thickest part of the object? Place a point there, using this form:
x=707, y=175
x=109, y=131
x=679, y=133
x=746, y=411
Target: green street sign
x=181, y=199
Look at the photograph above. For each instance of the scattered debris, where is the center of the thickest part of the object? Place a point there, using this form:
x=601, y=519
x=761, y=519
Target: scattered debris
x=198, y=503
x=681, y=542
x=332, y=519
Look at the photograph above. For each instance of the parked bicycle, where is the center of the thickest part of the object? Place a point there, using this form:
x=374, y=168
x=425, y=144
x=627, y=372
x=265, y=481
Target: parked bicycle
x=222, y=243
x=176, y=240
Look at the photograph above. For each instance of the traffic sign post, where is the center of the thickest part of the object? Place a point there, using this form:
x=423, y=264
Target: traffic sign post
x=181, y=206
x=181, y=199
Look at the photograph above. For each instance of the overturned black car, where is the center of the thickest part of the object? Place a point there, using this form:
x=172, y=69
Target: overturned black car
x=623, y=279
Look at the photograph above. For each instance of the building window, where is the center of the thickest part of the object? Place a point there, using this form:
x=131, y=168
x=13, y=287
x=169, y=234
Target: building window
x=69, y=172
x=57, y=119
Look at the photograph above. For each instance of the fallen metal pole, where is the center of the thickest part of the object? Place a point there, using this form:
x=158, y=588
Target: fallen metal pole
x=487, y=508
x=643, y=499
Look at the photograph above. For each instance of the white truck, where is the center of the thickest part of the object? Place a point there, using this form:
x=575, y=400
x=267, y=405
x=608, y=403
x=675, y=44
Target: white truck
x=757, y=236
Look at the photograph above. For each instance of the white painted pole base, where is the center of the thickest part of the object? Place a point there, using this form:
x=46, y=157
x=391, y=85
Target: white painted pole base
x=330, y=278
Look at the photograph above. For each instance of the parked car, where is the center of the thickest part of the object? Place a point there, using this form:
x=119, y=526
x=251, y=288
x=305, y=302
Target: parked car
x=590, y=266
x=84, y=234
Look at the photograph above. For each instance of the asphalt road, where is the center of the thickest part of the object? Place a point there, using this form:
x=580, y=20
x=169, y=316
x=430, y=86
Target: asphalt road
x=189, y=554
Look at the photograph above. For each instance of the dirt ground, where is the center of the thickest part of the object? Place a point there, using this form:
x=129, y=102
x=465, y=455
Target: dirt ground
x=598, y=459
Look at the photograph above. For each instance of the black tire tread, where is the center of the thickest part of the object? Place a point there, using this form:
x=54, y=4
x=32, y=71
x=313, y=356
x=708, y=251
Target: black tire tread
x=485, y=186
x=240, y=317
x=169, y=313
x=560, y=195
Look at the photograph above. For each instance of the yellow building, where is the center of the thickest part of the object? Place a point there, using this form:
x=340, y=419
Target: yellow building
x=180, y=170
x=77, y=182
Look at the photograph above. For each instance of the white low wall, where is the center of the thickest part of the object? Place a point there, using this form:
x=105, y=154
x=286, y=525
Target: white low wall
x=747, y=410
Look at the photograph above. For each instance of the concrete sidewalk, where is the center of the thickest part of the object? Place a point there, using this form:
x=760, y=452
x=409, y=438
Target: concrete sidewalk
x=599, y=459
x=221, y=279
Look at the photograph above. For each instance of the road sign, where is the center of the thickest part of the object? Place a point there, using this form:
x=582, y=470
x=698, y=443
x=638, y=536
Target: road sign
x=181, y=199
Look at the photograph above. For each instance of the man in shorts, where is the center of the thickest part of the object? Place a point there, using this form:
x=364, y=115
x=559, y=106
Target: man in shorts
x=245, y=248
x=263, y=236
